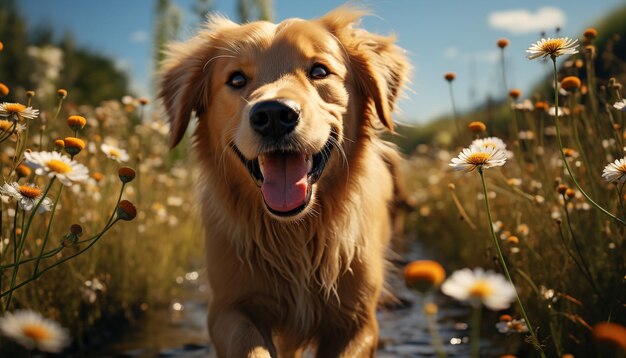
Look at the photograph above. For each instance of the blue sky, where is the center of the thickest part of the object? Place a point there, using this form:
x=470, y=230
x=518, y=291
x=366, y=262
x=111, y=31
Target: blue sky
x=440, y=36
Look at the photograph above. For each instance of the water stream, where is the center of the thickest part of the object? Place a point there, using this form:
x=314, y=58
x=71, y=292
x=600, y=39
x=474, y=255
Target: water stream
x=180, y=329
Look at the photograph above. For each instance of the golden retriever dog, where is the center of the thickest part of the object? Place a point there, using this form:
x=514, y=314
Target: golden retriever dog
x=297, y=187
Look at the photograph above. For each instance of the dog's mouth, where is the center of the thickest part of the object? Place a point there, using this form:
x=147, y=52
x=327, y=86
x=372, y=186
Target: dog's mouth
x=286, y=178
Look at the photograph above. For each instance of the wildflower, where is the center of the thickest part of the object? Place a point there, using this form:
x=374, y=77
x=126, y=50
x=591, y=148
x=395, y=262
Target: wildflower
x=479, y=286
x=494, y=142
x=515, y=93
x=22, y=171
x=76, y=122
x=4, y=90
x=114, y=153
x=143, y=101
x=27, y=196
x=10, y=126
x=526, y=105
x=30, y=94
x=552, y=47
x=61, y=93
x=73, y=145
x=126, y=210
x=17, y=111
x=56, y=165
x=72, y=237
x=562, y=111
x=97, y=176
x=590, y=33
x=478, y=157
x=611, y=333
x=570, y=153
x=513, y=240
x=450, y=76
x=502, y=43
x=126, y=174
x=616, y=171
x=541, y=106
x=570, y=193
x=430, y=309
x=570, y=83
x=424, y=275
x=620, y=105
x=1, y=46
x=31, y=330
x=561, y=189
x=511, y=326
x=477, y=127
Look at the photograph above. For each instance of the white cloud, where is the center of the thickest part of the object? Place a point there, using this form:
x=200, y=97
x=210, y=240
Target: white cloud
x=523, y=21
x=139, y=36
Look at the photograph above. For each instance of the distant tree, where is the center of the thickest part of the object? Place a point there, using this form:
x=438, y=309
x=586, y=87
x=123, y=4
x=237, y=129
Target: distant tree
x=202, y=8
x=14, y=71
x=167, y=26
x=250, y=10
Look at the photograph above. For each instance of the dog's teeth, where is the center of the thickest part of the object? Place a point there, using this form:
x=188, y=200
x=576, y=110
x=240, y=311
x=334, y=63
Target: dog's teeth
x=260, y=159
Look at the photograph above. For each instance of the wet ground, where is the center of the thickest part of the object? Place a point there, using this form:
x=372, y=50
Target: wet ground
x=180, y=330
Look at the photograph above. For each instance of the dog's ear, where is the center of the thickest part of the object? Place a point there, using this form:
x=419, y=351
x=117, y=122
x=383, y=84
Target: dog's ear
x=378, y=65
x=185, y=76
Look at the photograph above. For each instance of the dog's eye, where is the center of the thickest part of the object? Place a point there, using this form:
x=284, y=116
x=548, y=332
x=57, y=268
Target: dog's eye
x=318, y=72
x=237, y=80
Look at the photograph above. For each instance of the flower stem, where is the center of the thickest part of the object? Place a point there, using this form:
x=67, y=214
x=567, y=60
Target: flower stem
x=535, y=341
x=45, y=240
x=558, y=136
x=475, y=331
x=23, y=241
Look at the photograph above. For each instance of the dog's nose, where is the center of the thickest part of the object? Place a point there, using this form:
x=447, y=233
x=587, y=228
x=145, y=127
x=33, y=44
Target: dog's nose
x=275, y=118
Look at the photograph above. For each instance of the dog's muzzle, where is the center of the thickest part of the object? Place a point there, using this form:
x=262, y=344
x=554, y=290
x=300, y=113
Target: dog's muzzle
x=285, y=176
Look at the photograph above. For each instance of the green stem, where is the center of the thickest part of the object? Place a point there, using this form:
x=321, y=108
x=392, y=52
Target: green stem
x=535, y=341
x=45, y=240
x=23, y=241
x=585, y=267
x=454, y=113
x=564, y=159
x=475, y=332
x=25, y=282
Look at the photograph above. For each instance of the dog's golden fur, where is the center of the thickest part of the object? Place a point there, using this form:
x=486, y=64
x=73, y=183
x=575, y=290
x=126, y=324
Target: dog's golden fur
x=281, y=284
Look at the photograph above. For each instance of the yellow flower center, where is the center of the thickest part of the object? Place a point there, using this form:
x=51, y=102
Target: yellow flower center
x=5, y=125
x=58, y=166
x=35, y=332
x=114, y=153
x=552, y=46
x=14, y=107
x=30, y=191
x=622, y=168
x=480, y=289
x=479, y=158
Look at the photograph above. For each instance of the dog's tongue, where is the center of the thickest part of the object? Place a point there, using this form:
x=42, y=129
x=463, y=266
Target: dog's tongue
x=285, y=180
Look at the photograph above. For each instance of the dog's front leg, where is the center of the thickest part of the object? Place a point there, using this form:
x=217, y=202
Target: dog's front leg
x=234, y=335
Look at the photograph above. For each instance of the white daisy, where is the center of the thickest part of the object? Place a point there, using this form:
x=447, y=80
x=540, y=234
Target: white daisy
x=32, y=330
x=56, y=165
x=115, y=153
x=553, y=48
x=514, y=325
x=27, y=196
x=563, y=111
x=485, y=156
x=489, y=142
x=479, y=286
x=620, y=105
x=17, y=111
x=616, y=171
x=7, y=126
